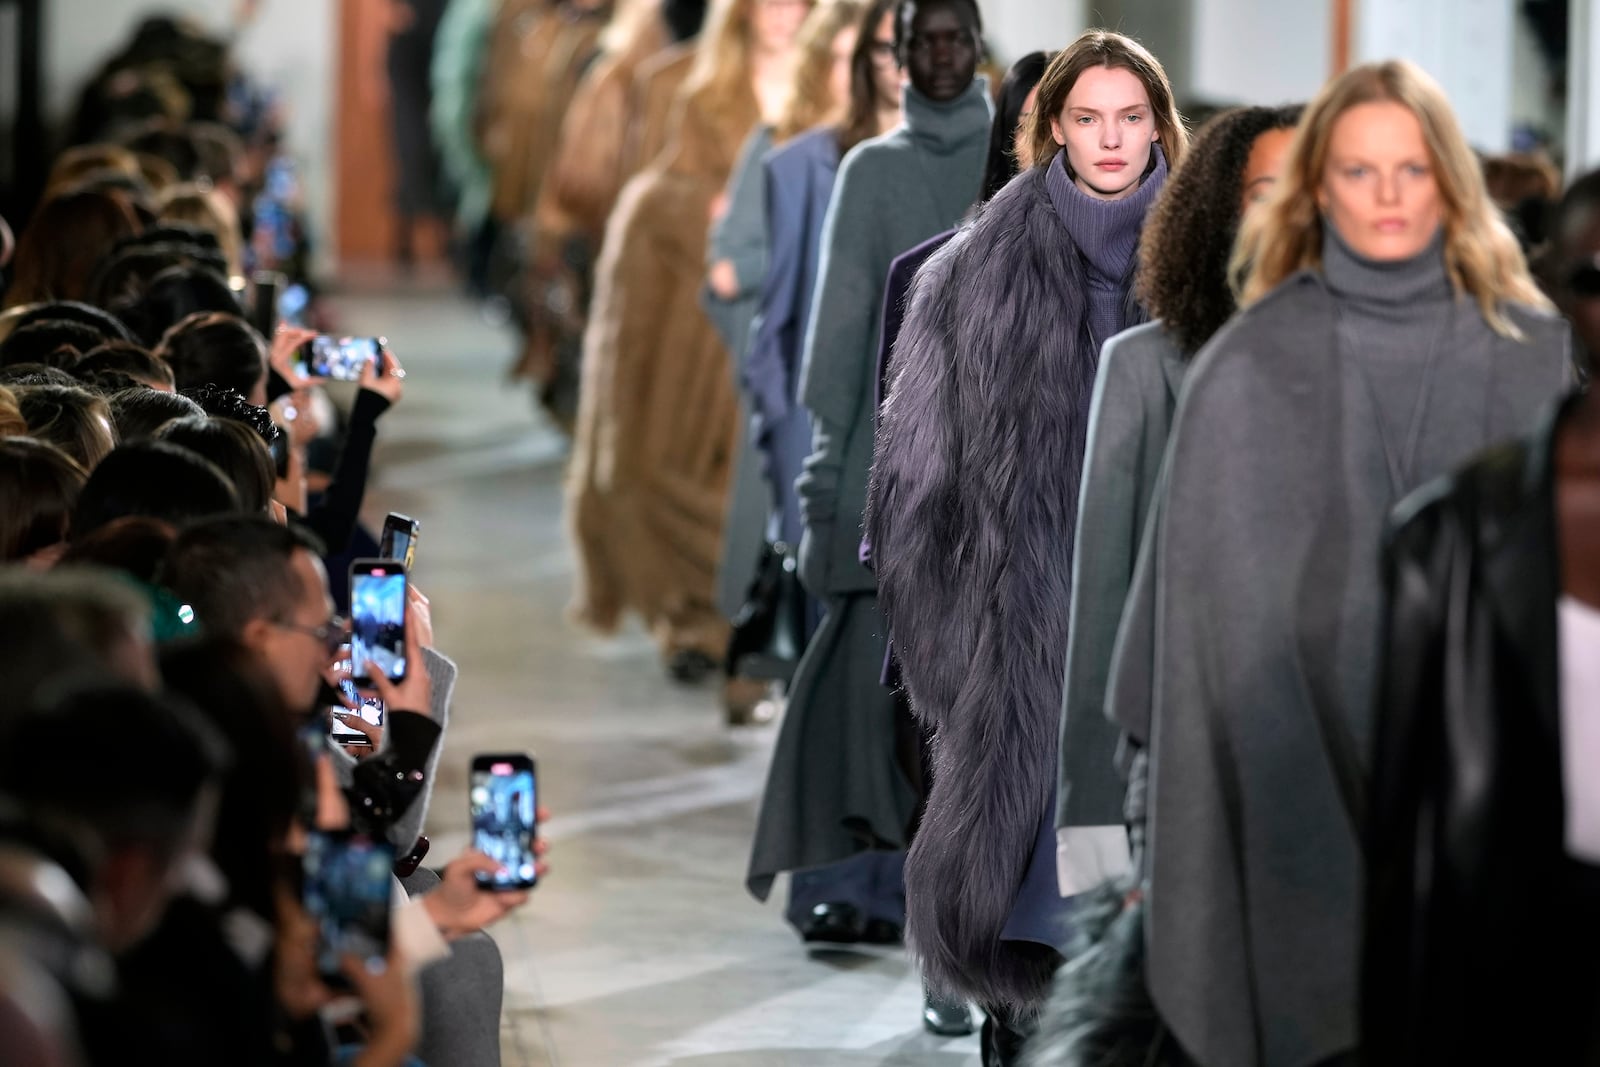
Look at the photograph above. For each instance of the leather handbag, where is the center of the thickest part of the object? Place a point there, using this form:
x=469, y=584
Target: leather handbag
x=769, y=632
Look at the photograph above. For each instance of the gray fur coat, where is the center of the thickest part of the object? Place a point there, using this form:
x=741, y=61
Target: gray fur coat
x=971, y=518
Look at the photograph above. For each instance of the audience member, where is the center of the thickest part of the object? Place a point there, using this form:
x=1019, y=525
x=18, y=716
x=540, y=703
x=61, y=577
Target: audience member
x=235, y=449
x=217, y=349
x=71, y=418
x=155, y=479
x=107, y=325
x=174, y=296
x=139, y=413
x=53, y=342
x=128, y=358
x=55, y=623
x=134, y=546
x=211, y=211
x=22, y=375
x=64, y=240
x=12, y=424
x=39, y=484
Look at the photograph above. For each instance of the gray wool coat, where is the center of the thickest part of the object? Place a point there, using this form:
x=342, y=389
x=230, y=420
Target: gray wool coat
x=840, y=725
x=892, y=192
x=1135, y=398
x=740, y=236
x=1251, y=626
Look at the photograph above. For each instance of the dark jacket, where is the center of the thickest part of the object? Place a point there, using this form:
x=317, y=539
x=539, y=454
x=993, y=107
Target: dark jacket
x=1481, y=934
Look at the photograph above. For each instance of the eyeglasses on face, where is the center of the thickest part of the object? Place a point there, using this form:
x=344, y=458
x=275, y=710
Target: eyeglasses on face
x=332, y=633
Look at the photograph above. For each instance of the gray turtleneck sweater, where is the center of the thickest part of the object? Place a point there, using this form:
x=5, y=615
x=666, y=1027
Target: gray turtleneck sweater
x=893, y=193
x=1395, y=318
x=1107, y=235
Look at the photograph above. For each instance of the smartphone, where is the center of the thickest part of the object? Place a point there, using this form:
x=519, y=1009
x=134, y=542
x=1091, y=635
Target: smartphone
x=371, y=708
x=399, y=539
x=377, y=620
x=348, y=879
x=504, y=797
x=264, y=310
x=340, y=358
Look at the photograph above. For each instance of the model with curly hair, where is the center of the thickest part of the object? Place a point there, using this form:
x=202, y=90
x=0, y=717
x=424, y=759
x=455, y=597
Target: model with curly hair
x=1183, y=281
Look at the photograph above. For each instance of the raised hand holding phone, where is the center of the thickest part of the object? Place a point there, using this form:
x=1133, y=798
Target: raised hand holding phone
x=384, y=376
x=415, y=691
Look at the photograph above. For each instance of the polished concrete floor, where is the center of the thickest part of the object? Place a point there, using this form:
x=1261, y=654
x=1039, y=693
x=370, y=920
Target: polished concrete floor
x=642, y=948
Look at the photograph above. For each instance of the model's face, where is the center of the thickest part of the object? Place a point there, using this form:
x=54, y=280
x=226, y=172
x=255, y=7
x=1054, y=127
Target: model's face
x=775, y=23
x=1378, y=187
x=1580, y=280
x=1263, y=168
x=844, y=45
x=886, y=74
x=941, y=49
x=1106, y=129
x=1022, y=136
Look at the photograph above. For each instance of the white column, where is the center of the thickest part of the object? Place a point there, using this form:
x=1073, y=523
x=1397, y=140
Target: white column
x=1017, y=27
x=1583, y=108
x=1465, y=44
x=1260, y=51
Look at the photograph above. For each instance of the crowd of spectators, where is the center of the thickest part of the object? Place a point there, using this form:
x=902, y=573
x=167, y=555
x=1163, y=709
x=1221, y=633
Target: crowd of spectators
x=177, y=505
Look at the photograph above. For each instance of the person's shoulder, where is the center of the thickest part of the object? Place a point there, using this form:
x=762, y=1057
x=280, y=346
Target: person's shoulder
x=799, y=153
x=875, y=151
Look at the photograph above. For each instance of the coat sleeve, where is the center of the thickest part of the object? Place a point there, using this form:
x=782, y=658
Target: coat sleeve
x=740, y=235
x=1102, y=566
x=1408, y=757
x=766, y=369
x=841, y=336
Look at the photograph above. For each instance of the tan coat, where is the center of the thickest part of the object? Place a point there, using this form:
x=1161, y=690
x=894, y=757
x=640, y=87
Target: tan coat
x=531, y=101
x=623, y=106
x=657, y=412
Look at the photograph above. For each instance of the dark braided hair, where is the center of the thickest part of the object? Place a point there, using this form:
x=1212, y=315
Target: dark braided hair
x=1188, y=239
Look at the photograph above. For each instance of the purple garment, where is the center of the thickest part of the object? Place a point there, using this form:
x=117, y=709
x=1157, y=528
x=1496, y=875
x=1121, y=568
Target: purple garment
x=1107, y=235
x=898, y=286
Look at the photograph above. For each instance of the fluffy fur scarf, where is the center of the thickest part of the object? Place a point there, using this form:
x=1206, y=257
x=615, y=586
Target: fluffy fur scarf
x=972, y=514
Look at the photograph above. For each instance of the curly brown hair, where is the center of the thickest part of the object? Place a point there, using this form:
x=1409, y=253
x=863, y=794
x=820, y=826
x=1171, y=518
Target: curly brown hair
x=1188, y=239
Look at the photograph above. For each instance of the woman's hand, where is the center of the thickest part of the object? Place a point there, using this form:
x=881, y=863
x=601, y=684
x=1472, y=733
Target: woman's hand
x=286, y=342
x=460, y=906
x=390, y=384
x=415, y=692
x=724, y=280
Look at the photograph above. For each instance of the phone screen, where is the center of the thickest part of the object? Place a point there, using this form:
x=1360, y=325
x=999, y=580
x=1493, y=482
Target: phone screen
x=371, y=707
x=339, y=358
x=377, y=620
x=347, y=886
x=504, y=798
x=399, y=540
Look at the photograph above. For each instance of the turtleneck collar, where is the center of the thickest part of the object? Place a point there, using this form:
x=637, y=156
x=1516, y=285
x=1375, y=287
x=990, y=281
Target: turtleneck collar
x=948, y=127
x=1105, y=231
x=1397, y=283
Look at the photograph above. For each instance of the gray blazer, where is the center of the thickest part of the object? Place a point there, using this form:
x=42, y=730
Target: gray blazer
x=740, y=236
x=1135, y=396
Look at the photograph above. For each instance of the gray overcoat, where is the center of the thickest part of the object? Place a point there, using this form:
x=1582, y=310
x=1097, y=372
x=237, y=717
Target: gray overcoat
x=1259, y=584
x=740, y=236
x=1135, y=397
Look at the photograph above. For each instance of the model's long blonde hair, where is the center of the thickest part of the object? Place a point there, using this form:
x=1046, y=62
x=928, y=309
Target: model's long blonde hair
x=1285, y=235
x=811, y=102
x=722, y=57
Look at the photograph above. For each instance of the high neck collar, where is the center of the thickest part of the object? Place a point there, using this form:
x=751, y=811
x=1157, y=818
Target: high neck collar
x=948, y=127
x=1399, y=283
x=1105, y=231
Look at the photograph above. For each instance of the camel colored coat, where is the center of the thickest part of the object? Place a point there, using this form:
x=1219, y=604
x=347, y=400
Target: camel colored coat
x=657, y=412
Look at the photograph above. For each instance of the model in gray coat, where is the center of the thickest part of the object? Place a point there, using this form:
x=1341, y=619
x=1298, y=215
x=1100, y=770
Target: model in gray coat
x=1135, y=397
x=1259, y=589
x=740, y=238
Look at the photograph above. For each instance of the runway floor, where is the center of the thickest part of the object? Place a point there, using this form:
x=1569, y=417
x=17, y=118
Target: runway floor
x=642, y=948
